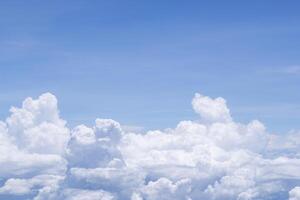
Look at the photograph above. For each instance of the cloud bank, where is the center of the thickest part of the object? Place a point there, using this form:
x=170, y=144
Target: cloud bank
x=41, y=158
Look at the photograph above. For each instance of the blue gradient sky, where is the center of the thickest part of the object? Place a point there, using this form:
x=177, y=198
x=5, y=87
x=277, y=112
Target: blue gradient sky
x=140, y=62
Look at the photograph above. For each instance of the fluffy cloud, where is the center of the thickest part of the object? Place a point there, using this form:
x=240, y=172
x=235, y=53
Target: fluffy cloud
x=211, y=110
x=211, y=158
x=165, y=189
x=295, y=193
x=37, y=127
x=77, y=194
x=17, y=186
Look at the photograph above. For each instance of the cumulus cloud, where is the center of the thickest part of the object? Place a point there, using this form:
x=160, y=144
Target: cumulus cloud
x=78, y=194
x=211, y=109
x=214, y=157
x=17, y=186
x=295, y=193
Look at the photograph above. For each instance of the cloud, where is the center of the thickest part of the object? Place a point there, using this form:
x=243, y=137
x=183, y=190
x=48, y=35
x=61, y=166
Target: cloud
x=295, y=69
x=295, y=193
x=37, y=126
x=214, y=157
x=16, y=186
x=288, y=70
x=211, y=109
x=165, y=189
x=77, y=194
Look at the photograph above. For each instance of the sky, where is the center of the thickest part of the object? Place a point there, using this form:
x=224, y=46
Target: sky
x=141, y=62
x=149, y=100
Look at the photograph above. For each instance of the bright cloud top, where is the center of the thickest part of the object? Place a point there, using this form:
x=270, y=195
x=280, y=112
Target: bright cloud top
x=211, y=158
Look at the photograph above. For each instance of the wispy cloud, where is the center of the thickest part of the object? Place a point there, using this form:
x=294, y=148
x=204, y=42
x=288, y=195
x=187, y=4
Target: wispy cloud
x=283, y=70
x=132, y=128
x=295, y=69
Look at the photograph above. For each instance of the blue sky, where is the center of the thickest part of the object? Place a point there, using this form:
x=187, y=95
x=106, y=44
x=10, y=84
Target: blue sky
x=140, y=62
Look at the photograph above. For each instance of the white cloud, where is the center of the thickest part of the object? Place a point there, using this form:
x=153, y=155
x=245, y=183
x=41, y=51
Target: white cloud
x=108, y=129
x=134, y=129
x=37, y=126
x=17, y=186
x=211, y=158
x=211, y=109
x=165, y=189
x=77, y=194
x=294, y=194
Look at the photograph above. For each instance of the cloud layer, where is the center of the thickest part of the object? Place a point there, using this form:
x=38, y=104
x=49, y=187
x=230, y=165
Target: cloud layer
x=41, y=158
